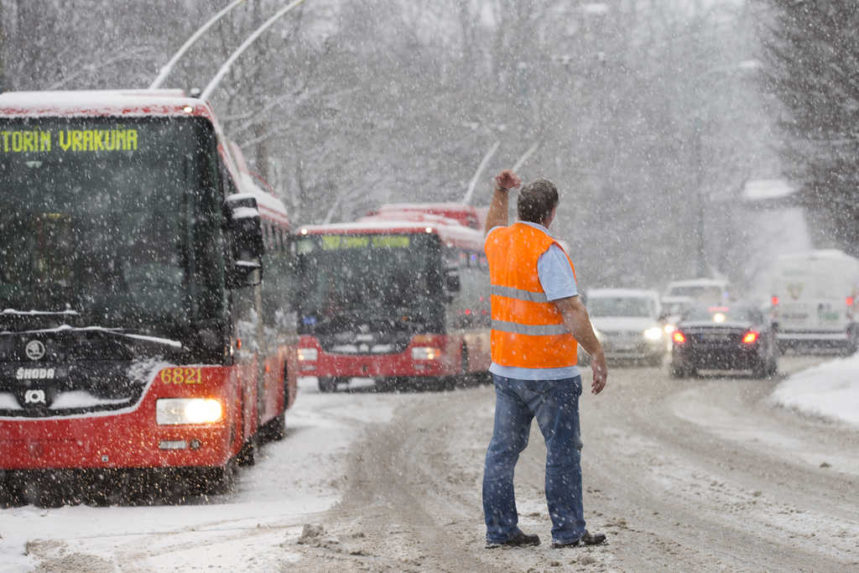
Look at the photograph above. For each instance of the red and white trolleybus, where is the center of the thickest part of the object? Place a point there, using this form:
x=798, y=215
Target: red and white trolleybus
x=141, y=298
x=397, y=298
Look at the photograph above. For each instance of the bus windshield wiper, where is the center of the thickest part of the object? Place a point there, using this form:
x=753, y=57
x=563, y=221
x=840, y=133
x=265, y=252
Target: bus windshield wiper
x=16, y=312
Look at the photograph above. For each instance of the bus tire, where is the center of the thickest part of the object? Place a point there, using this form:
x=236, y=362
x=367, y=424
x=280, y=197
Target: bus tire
x=247, y=456
x=219, y=480
x=327, y=384
x=275, y=430
x=11, y=490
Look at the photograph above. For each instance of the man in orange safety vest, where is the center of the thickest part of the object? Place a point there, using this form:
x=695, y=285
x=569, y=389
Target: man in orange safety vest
x=538, y=322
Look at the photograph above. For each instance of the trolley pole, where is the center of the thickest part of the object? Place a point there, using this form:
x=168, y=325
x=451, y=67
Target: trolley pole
x=250, y=40
x=165, y=71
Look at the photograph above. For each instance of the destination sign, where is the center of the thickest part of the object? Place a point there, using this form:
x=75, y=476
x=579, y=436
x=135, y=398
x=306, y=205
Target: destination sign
x=68, y=140
x=339, y=242
x=347, y=242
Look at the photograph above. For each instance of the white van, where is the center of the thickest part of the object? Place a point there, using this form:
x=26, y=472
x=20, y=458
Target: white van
x=813, y=298
x=711, y=291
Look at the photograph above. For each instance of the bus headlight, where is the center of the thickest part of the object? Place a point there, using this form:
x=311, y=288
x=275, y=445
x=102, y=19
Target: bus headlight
x=307, y=354
x=173, y=411
x=425, y=353
x=653, y=334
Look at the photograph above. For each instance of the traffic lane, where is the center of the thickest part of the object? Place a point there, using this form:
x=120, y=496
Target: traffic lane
x=707, y=499
x=670, y=493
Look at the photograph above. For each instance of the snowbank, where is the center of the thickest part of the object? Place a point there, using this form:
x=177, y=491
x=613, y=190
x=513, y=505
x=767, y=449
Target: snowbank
x=830, y=390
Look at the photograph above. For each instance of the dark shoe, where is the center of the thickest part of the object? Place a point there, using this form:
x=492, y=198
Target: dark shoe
x=586, y=539
x=518, y=540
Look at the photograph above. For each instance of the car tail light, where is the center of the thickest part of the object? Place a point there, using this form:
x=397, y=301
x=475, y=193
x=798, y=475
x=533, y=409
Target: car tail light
x=678, y=337
x=750, y=337
x=774, y=300
x=850, y=301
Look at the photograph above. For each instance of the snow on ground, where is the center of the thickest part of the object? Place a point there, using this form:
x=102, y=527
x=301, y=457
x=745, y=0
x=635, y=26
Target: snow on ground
x=830, y=390
x=726, y=415
x=291, y=481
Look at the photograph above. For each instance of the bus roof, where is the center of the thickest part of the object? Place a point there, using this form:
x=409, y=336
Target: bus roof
x=450, y=234
x=465, y=214
x=102, y=103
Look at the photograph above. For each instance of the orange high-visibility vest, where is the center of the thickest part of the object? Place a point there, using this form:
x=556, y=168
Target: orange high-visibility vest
x=528, y=331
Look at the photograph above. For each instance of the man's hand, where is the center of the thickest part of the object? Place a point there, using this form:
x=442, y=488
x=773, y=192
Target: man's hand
x=507, y=180
x=579, y=323
x=600, y=372
x=497, y=214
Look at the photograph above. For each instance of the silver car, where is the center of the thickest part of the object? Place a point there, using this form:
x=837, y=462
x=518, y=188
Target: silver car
x=628, y=324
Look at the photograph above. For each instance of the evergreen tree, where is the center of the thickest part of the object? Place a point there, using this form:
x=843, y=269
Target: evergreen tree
x=812, y=53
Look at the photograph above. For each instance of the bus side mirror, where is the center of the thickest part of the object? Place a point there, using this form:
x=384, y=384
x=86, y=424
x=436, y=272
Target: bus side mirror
x=245, y=236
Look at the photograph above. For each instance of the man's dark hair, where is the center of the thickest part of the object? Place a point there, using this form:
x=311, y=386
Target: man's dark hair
x=536, y=201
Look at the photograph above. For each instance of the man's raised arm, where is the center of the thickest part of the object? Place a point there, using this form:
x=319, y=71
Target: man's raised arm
x=497, y=215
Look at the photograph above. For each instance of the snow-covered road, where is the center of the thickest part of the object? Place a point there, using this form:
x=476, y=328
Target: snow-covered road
x=704, y=475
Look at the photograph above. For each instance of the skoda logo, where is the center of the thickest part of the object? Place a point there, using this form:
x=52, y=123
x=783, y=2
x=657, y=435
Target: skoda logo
x=35, y=397
x=34, y=350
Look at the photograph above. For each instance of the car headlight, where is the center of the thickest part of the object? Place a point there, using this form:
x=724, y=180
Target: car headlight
x=425, y=353
x=653, y=334
x=173, y=411
x=307, y=354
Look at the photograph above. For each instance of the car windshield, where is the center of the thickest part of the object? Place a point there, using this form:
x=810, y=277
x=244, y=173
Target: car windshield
x=110, y=218
x=620, y=306
x=674, y=307
x=698, y=292
x=719, y=314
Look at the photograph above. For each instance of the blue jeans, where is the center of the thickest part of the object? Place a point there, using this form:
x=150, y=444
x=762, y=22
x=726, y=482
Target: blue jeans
x=555, y=404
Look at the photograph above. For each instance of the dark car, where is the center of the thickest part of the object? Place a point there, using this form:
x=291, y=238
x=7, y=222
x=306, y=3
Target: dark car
x=735, y=337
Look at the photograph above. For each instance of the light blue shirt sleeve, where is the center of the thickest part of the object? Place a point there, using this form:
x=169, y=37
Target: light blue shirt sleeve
x=556, y=274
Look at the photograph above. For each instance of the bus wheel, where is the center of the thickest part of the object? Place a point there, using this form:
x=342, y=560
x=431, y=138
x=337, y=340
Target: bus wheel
x=248, y=454
x=275, y=430
x=327, y=384
x=218, y=481
x=11, y=491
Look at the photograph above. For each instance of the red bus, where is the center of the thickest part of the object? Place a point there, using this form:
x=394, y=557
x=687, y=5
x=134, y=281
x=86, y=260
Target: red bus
x=136, y=328
x=397, y=301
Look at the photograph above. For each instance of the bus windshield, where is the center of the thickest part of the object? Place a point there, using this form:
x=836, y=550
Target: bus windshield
x=112, y=218
x=366, y=276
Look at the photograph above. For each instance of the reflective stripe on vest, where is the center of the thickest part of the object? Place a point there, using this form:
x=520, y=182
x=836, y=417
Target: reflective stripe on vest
x=529, y=329
x=518, y=294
